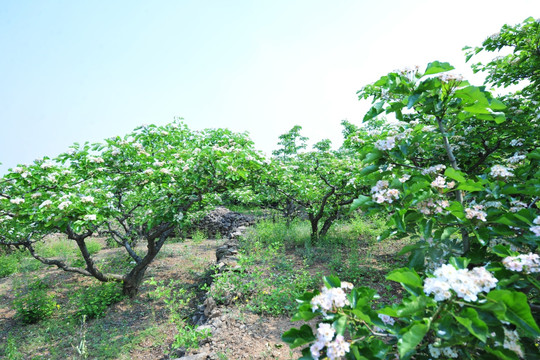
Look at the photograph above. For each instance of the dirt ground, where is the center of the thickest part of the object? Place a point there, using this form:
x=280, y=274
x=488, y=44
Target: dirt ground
x=236, y=333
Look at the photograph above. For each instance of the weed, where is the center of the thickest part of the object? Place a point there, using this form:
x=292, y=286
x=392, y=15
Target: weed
x=82, y=348
x=198, y=237
x=92, y=302
x=36, y=304
x=188, y=336
x=11, y=351
x=9, y=263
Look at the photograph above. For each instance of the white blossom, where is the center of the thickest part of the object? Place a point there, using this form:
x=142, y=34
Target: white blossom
x=387, y=144
x=87, y=199
x=433, y=169
x=500, y=171
x=64, y=204
x=388, y=320
x=90, y=217
x=464, y=283
x=17, y=201
x=528, y=263
x=45, y=203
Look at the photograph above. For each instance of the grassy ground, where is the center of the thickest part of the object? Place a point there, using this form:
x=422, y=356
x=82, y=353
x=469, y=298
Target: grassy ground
x=276, y=267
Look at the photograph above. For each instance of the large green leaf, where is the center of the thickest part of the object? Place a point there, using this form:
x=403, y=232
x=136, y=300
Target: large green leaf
x=516, y=310
x=436, y=67
x=476, y=326
x=408, y=278
x=410, y=340
x=455, y=175
x=298, y=337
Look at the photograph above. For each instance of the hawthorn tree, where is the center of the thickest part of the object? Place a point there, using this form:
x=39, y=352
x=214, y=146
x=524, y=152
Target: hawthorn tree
x=320, y=181
x=134, y=189
x=454, y=172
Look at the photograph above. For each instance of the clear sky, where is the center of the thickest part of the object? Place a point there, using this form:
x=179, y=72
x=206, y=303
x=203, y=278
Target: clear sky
x=75, y=71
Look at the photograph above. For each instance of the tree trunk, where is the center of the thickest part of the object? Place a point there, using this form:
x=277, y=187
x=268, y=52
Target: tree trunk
x=314, y=229
x=327, y=224
x=132, y=282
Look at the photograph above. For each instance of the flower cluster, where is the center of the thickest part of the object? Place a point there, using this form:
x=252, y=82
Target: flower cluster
x=436, y=352
x=514, y=159
x=90, y=217
x=387, y=144
x=381, y=193
x=511, y=342
x=440, y=182
x=17, y=201
x=430, y=206
x=387, y=319
x=334, y=349
x=528, y=263
x=476, y=212
x=330, y=299
x=467, y=284
x=500, y=171
x=433, y=169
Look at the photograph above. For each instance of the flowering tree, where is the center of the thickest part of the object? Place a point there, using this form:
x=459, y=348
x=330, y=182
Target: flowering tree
x=453, y=171
x=320, y=181
x=137, y=188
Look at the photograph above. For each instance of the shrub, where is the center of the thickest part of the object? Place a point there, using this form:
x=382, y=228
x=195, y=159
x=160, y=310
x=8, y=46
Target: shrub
x=36, y=304
x=93, y=301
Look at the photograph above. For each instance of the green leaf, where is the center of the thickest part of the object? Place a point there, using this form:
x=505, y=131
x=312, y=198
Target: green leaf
x=470, y=319
x=471, y=186
x=368, y=170
x=517, y=310
x=298, y=337
x=455, y=175
x=361, y=201
x=332, y=281
x=410, y=340
x=436, y=67
x=340, y=325
x=408, y=278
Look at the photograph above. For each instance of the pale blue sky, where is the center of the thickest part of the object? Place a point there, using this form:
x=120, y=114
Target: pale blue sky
x=72, y=71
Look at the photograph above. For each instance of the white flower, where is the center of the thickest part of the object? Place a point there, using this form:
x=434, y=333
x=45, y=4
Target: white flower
x=515, y=158
x=45, y=203
x=64, y=204
x=388, y=320
x=387, y=144
x=17, y=201
x=47, y=164
x=148, y=171
x=90, y=217
x=325, y=332
x=35, y=195
x=466, y=284
x=511, y=342
x=96, y=160
x=165, y=171
x=433, y=169
x=439, y=182
x=529, y=263
x=516, y=142
x=499, y=171
x=18, y=170
x=87, y=199
x=404, y=178
x=471, y=213
x=338, y=348
x=329, y=299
